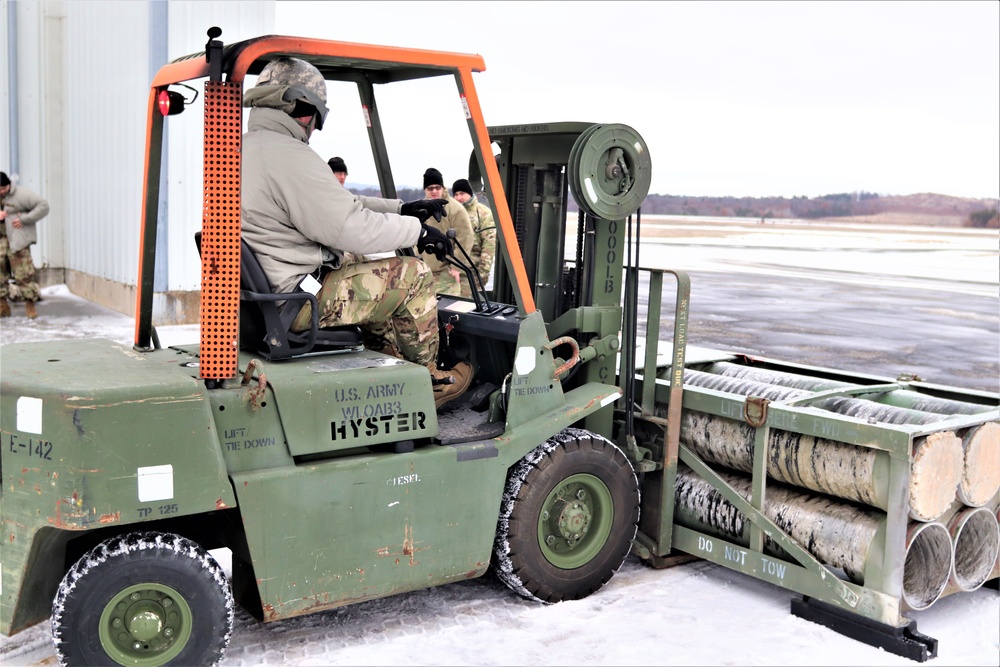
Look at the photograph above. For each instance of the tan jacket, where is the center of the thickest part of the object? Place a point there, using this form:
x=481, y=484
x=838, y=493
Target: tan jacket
x=456, y=218
x=28, y=207
x=293, y=207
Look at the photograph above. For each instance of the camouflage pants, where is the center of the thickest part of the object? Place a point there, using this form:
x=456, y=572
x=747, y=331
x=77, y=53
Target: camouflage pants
x=17, y=265
x=393, y=302
x=445, y=283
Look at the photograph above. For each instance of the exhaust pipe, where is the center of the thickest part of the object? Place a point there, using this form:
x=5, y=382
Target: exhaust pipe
x=975, y=535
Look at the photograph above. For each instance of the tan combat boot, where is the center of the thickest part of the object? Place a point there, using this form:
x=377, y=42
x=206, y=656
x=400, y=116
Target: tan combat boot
x=29, y=310
x=4, y=307
x=449, y=385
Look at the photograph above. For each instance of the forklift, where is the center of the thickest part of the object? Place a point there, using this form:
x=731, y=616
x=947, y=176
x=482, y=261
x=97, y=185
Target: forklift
x=327, y=472
x=322, y=466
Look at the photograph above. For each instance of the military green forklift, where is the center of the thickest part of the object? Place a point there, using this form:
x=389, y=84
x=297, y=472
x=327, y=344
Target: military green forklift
x=322, y=466
x=325, y=468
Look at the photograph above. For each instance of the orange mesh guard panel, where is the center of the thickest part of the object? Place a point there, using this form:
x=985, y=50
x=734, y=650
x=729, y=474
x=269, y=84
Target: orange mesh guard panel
x=220, y=233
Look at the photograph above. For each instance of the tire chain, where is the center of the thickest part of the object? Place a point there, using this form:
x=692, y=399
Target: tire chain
x=133, y=542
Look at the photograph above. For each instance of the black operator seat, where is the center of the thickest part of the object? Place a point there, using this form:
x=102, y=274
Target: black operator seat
x=265, y=327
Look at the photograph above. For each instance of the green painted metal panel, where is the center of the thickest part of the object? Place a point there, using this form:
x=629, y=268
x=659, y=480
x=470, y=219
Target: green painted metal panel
x=251, y=437
x=794, y=577
x=361, y=526
x=340, y=531
x=335, y=402
x=95, y=434
x=534, y=388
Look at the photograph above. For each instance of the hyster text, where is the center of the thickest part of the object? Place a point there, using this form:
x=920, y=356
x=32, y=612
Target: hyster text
x=372, y=426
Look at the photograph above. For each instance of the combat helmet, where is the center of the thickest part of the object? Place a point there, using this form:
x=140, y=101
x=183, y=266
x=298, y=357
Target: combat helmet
x=304, y=83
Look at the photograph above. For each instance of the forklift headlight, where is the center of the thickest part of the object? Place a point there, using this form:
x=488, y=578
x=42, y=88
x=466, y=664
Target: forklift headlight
x=170, y=102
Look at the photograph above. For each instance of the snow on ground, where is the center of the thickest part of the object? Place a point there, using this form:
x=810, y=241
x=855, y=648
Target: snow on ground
x=694, y=614
x=64, y=315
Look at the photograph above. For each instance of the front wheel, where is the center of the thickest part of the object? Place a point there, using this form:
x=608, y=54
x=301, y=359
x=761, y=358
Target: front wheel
x=143, y=599
x=569, y=514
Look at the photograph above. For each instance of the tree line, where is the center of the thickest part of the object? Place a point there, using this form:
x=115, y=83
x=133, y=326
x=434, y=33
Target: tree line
x=844, y=204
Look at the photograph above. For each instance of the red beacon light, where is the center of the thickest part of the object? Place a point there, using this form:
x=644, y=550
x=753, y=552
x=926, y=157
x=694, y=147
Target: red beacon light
x=170, y=102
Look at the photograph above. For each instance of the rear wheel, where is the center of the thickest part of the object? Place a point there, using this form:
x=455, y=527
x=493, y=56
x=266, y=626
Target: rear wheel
x=570, y=512
x=143, y=599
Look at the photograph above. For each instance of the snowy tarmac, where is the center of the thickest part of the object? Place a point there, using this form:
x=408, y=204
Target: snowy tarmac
x=882, y=302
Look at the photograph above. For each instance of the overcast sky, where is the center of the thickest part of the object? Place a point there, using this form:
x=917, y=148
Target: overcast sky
x=743, y=98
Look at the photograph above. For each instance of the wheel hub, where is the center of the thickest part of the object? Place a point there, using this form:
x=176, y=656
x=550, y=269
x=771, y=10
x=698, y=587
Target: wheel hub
x=146, y=624
x=575, y=521
x=145, y=620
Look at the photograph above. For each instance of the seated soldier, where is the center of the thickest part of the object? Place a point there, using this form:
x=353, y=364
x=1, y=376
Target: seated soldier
x=299, y=221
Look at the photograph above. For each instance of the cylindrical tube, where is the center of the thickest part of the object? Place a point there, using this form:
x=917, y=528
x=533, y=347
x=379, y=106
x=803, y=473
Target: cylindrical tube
x=901, y=398
x=981, y=472
x=976, y=542
x=835, y=468
x=981, y=444
x=852, y=407
x=936, y=465
x=928, y=564
x=837, y=534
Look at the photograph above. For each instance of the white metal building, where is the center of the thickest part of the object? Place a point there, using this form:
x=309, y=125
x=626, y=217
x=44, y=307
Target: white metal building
x=75, y=90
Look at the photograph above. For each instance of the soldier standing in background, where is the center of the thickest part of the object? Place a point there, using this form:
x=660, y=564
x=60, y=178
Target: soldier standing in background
x=447, y=278
x=485, y=245
x=20, y=211
x=339, y=168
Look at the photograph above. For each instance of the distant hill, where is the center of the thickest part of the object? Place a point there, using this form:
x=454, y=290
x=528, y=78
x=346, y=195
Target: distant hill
x=918, y=209
x=860, y=207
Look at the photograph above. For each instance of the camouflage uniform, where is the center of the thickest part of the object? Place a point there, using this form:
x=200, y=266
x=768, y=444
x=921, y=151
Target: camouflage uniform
x=19, y=266
x=27, y=207
x=446, y=283
x=458, y=219
x=390, y=299
x=485, y=245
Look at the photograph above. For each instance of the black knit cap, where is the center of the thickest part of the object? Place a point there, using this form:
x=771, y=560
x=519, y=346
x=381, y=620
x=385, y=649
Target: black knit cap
x=337, y=164
x=462, y=185
x=433, y=177
x=4, y=181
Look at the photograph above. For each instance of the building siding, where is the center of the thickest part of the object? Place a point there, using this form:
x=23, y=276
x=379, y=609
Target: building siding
x=83, y=71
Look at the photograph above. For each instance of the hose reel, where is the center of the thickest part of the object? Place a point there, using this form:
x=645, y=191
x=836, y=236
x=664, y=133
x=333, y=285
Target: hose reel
x=609, y=171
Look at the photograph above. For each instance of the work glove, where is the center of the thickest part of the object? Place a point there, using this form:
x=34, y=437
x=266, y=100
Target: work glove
x=422, y=209
x=433, y=241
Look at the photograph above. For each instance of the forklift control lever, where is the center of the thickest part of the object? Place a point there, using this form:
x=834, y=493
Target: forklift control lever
x=483, y=304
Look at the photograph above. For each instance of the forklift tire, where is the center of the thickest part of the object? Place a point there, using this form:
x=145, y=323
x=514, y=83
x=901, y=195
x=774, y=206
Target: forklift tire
x=569, y=513
x=143, y=599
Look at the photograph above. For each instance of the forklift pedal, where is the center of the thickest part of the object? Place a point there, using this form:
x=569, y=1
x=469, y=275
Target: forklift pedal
x=479, y=398
x=400, y=447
